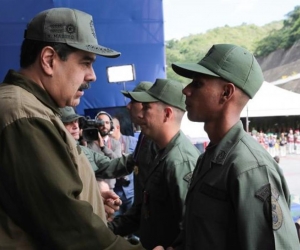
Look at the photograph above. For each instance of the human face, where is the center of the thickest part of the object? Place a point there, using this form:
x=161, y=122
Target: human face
x=135, y=109
x=203, y=98
x=105, y=129
x=70, y=77
x=73, y=128
x=151, y=118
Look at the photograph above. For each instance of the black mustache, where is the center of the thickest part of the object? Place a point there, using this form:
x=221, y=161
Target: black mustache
x=84, y=86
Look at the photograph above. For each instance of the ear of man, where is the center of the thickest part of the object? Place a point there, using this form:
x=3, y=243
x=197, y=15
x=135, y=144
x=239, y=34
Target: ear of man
x=168, y=112
x=229, y=89
x=47, y=60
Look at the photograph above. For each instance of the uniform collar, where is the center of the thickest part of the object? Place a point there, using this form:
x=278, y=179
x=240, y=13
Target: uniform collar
x=225, y=146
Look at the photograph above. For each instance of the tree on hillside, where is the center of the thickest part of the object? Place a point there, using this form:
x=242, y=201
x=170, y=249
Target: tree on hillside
x=283, y=38
x=193, y=47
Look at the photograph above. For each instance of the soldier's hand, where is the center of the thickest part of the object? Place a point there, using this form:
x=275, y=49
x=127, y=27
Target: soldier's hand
x=112, y=203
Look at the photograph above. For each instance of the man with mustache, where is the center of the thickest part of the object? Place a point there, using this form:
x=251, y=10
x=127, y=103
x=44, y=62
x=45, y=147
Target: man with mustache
x=49, y=198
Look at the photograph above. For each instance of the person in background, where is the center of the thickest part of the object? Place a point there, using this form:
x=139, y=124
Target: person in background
x=134, y=107
x=282, y=145
x=271, y=144
x=238, y=197
x=297, y=142
x=291, y=142
x=49, y=198
x=143, y=145
x=170, y=159
x=103, y=166
x=124, y=187
x=106, y=145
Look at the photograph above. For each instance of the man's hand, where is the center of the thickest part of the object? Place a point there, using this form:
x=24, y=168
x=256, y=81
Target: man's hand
x=112, y=203
x=100, y=141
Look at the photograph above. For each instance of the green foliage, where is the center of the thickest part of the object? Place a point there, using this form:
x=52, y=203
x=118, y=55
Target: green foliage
x=192, y=48
x=260, y=40
x=282, y=38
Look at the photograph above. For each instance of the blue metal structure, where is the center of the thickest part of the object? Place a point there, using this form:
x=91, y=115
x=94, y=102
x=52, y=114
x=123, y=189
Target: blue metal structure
x=133, y=27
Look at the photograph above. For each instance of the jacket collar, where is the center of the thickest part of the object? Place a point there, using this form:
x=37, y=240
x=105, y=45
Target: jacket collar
x=17, y=79
x=232, y=137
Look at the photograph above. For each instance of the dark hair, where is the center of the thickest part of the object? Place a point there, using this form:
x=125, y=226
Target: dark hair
x=30, y=49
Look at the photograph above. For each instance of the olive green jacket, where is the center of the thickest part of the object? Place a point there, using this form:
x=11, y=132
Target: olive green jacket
x=48, y=193
x=161, y=184
x=107, y=168
x=238, y=199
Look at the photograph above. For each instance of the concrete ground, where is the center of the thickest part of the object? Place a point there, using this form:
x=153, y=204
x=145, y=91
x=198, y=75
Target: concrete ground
x=290, y=165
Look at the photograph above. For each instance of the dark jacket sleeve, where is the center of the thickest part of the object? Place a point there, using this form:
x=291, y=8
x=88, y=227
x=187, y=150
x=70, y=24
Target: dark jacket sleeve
x=107, y=168
x=127, y=223
x=39, y=186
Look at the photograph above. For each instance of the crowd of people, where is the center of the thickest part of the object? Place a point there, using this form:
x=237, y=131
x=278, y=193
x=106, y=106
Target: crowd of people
x=279, y=144
x=61, y=192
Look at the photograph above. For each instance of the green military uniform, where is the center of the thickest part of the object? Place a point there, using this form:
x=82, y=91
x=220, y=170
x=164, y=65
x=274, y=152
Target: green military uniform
x=46, y=184
x=161, y=182
x=236, y=193
x=104, y=167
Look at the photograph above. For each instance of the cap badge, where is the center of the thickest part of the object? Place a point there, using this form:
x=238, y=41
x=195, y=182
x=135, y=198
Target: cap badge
x=70, y=28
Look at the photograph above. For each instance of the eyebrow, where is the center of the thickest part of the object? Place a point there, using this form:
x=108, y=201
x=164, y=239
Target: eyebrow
x=89, y=58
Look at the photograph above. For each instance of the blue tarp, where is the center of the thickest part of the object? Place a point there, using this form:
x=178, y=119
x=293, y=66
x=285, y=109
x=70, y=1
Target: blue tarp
x=133, y=27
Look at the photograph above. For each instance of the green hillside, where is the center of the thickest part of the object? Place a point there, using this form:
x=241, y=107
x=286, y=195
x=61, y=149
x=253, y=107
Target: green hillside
x=261, y=40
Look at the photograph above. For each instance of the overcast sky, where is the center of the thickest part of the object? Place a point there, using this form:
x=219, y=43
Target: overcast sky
x=185, y=17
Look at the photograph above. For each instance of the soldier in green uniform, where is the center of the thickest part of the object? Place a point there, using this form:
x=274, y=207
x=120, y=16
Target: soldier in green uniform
x=168, y=161
x=238, y=197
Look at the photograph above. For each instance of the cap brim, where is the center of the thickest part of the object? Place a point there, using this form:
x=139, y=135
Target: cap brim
x=71, y=118
x=142, y=97
x=97, y=49
x=126, y=93
x=189, y=70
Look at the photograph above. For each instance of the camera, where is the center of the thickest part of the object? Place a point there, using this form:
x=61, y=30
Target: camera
x=90, y=128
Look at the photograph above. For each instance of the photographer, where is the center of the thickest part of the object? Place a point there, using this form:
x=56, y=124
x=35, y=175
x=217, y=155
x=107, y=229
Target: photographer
x=103, y=166
x=106, y=145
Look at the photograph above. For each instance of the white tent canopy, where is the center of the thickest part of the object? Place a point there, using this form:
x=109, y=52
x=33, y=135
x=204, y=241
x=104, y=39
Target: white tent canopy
x=271, y=100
